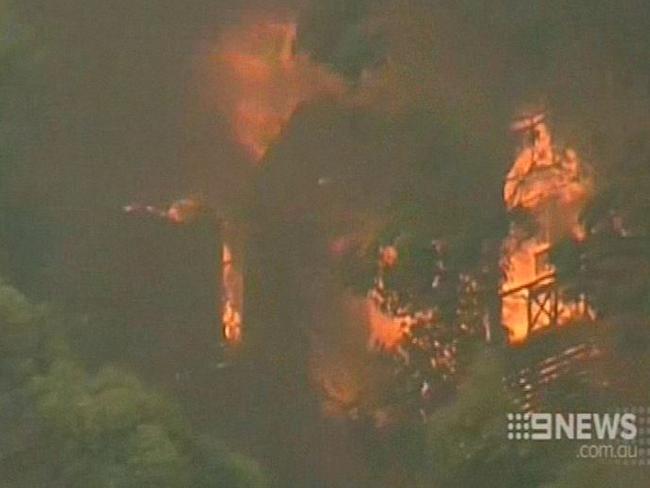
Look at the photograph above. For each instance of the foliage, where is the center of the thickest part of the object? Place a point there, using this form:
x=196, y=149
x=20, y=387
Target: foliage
x=467, y=445
x=221, y=467
x=97, y=430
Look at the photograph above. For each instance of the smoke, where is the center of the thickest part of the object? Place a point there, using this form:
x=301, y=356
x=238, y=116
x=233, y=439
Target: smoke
x=420, y=139
x=261, y=81
x=393, y=110
x=349, y=378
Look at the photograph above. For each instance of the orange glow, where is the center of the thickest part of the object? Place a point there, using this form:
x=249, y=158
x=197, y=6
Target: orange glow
x=389, y=325
x=341, y=390
x=386, y=332
x=183, y=211
x=231, y=323
x=263, y=81
x=388, y=256
x=232, y=281
x=551, y=187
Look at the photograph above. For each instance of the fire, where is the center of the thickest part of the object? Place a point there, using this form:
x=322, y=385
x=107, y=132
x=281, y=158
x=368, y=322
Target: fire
x=264, y=81
x=550, y=187
x=231, y=323
x=232, y=282
x=186, y=211
x=386, y=330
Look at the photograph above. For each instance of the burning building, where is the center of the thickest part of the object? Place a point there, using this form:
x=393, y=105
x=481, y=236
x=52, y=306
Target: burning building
x=545, y=192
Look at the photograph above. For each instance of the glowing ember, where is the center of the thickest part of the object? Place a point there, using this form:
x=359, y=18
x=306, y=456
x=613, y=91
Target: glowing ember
x=550, y=187
x=264, y=81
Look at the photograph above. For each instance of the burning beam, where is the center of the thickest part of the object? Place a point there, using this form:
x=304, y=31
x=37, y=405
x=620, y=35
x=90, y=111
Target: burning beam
x=186, y=211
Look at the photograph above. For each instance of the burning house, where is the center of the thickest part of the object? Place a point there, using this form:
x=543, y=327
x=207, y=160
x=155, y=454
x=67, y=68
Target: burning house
x=545, y=192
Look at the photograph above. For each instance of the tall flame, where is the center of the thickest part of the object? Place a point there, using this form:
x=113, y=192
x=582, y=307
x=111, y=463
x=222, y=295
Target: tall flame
x=263, y=81
x=550, y=187
x=233, y=293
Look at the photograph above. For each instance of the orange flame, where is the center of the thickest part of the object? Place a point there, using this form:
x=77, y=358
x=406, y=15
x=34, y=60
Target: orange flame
x=264, y=81
x=386, y=332
x=232, y=298
x=551, y=187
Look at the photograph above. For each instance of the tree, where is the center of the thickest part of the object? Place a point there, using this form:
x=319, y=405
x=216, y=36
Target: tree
x=68, y=427
x=467, y=443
